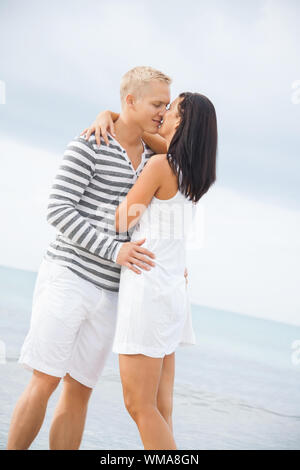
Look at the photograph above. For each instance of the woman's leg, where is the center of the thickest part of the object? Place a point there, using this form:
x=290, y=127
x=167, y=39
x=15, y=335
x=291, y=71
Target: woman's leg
x=165, y=389
x=140, y=376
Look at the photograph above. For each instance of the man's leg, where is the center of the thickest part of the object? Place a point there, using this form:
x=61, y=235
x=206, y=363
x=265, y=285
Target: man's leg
x=90, y=352
x=29, y=413
x=69, y=417
x=61, y=303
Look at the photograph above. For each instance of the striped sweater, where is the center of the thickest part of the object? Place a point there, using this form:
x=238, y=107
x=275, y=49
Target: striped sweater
x=90, y=184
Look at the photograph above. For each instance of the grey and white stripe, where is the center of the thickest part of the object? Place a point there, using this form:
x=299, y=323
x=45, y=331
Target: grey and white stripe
x=89, y=185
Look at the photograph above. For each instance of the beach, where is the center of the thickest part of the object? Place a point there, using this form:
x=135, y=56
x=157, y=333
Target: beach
x=237, y=388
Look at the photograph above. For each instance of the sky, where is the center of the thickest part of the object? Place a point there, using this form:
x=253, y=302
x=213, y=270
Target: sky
x=61, y=63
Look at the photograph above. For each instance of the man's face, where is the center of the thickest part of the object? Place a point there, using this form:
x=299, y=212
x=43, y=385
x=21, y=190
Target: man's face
x=150, y=108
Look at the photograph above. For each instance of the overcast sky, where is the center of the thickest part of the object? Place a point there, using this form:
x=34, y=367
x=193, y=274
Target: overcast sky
x=61, y=63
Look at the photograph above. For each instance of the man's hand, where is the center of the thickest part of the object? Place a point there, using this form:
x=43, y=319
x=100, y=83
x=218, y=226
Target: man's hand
x=131, y=254
x=186, y=275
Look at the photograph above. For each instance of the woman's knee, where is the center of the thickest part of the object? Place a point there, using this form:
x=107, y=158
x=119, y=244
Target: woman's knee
x=137, y=408
x=130, y=404
x=166, y=409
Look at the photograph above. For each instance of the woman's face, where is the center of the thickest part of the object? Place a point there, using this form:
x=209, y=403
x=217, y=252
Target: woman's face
x=171, y=120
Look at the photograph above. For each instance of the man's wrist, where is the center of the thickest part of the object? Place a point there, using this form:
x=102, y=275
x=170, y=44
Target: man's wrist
x=116, y=252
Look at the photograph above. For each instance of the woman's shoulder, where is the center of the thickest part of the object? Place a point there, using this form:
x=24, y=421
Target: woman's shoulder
x=162, y=170
x=159, y=161
x=158, y=157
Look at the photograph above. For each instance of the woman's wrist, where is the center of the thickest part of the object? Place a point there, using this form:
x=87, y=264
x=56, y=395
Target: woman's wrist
x=114, y=116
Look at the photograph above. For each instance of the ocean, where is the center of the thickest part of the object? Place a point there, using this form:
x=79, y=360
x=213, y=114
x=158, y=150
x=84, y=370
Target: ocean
x=238, y=388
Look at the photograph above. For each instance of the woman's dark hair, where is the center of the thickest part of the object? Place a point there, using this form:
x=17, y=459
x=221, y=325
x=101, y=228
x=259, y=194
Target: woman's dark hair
x=193, y=148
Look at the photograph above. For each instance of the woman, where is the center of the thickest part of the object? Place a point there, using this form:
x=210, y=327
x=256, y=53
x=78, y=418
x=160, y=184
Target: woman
x=153, y=308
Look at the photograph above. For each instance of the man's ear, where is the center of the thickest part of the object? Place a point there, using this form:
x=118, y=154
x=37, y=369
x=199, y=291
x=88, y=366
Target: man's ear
x=130, y=100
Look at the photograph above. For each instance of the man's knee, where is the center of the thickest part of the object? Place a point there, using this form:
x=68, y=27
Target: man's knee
x=44, y=383
x=75, y=390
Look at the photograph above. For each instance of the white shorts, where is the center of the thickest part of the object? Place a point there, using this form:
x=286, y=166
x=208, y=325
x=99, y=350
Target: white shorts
x=72, y=325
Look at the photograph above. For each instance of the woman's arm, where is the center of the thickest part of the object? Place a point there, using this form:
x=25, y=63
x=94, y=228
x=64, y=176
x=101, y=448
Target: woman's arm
x=140, y=195
x=105, y=121
x=156, y=142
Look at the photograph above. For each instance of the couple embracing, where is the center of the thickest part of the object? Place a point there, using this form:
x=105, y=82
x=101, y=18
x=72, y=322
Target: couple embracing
x=114, y=278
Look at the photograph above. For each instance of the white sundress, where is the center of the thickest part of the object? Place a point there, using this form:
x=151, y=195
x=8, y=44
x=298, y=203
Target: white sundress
x=154, y=311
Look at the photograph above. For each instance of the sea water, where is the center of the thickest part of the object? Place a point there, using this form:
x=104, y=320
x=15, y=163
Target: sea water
x=237, y=388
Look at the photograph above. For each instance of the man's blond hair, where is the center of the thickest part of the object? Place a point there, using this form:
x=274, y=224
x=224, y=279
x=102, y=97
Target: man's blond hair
x=137, y=78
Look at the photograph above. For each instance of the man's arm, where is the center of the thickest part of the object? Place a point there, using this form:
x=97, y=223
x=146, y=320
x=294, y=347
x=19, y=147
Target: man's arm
x=71, y=181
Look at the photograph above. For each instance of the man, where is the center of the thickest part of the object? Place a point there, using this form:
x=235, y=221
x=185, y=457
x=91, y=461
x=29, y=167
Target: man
x=75, y=298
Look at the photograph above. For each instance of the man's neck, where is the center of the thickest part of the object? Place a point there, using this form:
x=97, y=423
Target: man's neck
x=127, y=133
